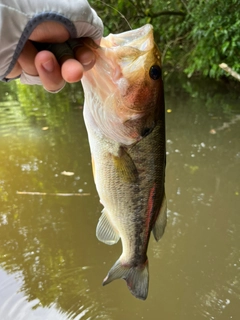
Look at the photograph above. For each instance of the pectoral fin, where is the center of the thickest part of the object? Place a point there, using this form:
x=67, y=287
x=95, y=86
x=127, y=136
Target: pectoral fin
x=105, y=231
x=125, y=166
x=160, y=224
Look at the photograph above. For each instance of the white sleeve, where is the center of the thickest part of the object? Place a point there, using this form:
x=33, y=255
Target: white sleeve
x=18, y=18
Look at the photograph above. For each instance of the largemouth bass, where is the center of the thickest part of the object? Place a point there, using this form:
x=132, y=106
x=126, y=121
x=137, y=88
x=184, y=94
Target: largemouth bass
x=124, y=116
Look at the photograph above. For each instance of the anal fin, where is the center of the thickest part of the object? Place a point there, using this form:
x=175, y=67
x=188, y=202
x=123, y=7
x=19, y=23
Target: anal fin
x=105, y=231
x=161, y=222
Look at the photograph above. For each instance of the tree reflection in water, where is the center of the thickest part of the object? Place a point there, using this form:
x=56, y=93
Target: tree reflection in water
x=49, y=242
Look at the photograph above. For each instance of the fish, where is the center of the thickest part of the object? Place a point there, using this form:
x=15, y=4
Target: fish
x=124, y=115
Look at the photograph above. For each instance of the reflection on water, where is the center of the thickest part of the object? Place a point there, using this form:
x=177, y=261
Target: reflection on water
x=14, y=304
x=51, y=264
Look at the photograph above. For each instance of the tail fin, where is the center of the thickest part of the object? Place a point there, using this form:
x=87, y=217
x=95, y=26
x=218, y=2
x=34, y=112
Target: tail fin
x=136, y=278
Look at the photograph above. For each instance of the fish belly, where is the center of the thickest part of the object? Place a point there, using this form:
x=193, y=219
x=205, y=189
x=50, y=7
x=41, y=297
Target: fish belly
x=130, y=183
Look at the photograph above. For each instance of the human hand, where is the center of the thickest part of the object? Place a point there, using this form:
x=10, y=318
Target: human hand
x=52, y=73
x=43, y=67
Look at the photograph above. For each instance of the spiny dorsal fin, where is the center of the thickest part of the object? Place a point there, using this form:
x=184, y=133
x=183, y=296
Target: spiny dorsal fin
x=160, y=224
x=105, y=231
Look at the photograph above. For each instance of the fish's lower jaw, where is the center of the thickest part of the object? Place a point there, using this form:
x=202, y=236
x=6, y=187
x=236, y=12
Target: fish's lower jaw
x=137, y=278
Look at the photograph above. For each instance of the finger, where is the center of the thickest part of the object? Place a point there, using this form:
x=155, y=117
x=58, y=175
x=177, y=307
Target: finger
x=25, y=61
x=72, y=70
x=85, y=56
x=15, y=72
x=84, y=49
x=49, y=71
x=27, y=58
x=50, y=31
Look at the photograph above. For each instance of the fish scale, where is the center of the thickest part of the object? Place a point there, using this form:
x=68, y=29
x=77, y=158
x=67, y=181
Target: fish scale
x=124, y=117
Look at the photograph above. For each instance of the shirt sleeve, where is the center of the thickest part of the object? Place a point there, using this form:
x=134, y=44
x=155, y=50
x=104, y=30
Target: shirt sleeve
x=18, y=18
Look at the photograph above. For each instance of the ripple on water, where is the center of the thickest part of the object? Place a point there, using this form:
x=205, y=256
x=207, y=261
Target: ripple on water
x=15, y=305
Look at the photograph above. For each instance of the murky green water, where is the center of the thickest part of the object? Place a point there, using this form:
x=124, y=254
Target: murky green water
x=52, y=265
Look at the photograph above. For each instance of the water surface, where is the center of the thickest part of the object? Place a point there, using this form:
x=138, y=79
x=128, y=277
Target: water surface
x=52, y=265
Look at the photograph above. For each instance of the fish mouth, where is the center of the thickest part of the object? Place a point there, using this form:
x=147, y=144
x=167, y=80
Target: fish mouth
x=131, y=55
x=141, y=39
x=119, y=85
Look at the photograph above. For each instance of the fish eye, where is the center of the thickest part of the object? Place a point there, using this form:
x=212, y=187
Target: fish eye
x=155, y=72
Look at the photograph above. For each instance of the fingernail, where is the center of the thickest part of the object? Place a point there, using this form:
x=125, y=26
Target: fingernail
x=48, y=65
x=86, y=63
